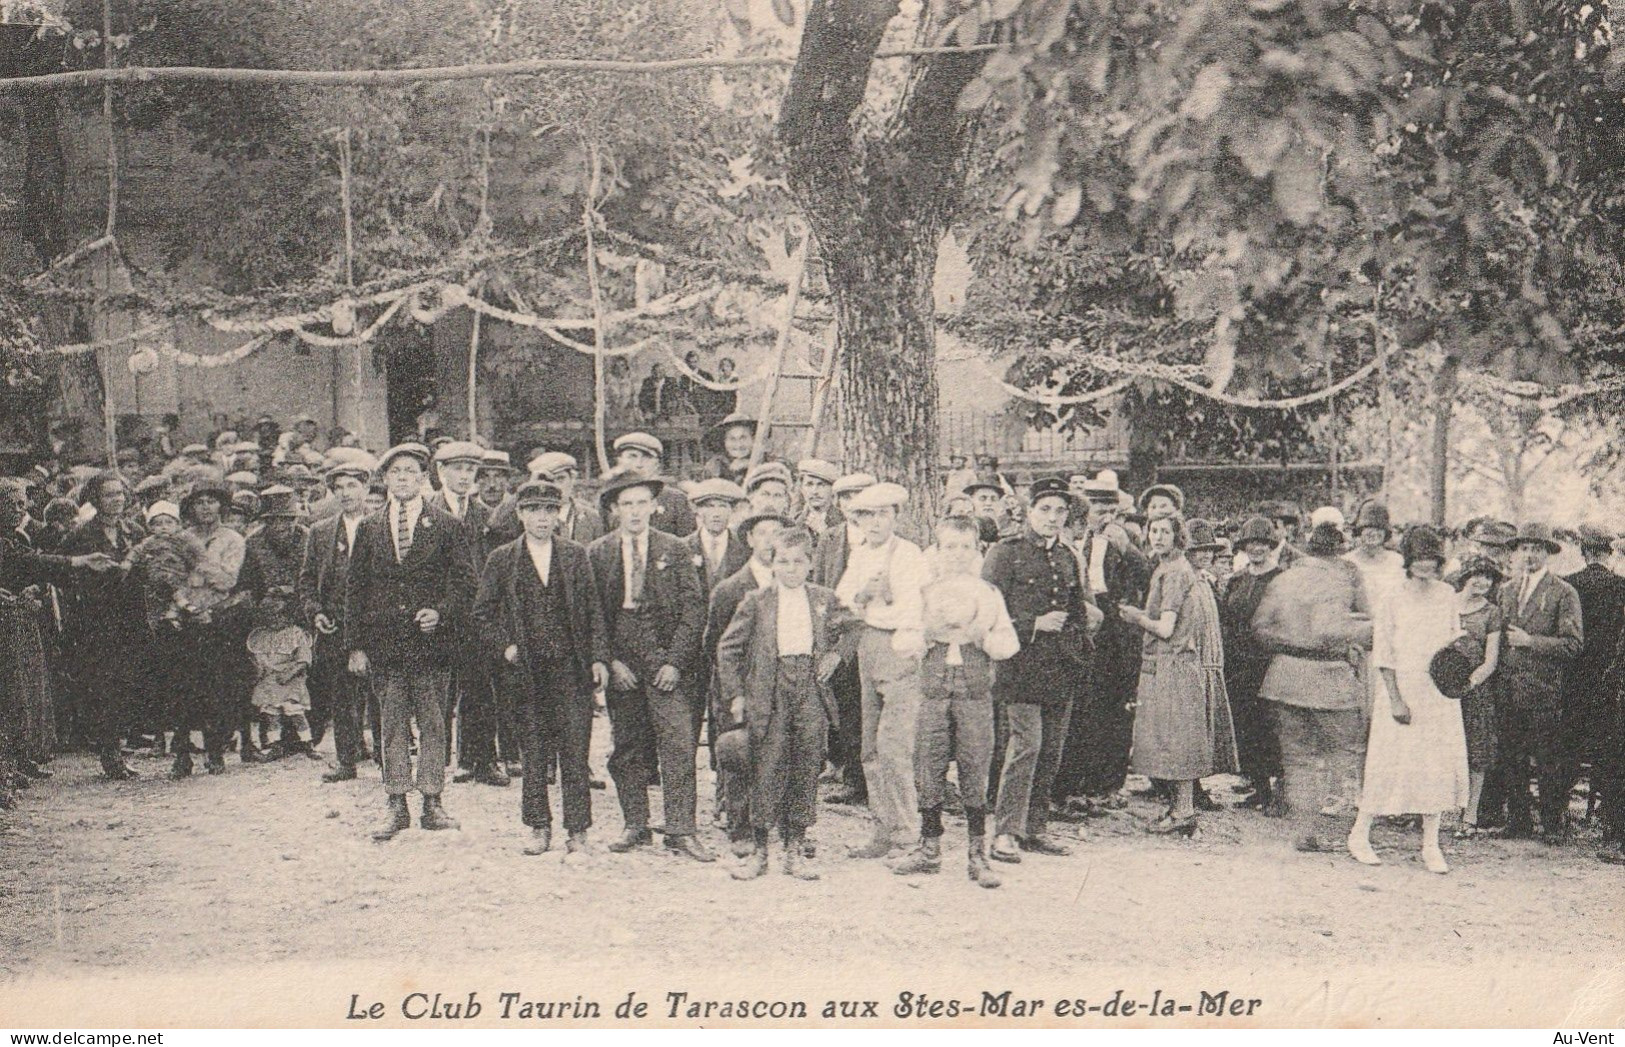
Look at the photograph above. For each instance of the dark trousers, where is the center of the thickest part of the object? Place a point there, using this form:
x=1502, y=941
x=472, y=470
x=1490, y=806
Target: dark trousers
x=552, y=716
x=481, y=718
x=1101, y=730
x=1608, y=775
x=846, y=740
x=342, y=695
x=1526, y=735
x=1029, y=740
x=787, y=752
x=208, y=693
x=408, y=695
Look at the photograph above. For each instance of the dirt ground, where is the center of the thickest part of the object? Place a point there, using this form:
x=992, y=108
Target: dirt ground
x=267, y=865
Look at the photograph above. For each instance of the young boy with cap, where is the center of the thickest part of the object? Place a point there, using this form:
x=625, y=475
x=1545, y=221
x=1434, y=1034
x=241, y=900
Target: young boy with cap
x=967, y=629
x=774, y=664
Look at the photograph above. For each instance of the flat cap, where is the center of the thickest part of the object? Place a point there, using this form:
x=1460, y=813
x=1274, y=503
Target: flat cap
x=640, y=442
x=411, y=449
x=818, y=469
x=764, y=472
x=496, y=460
x=533, y=493
x=879, y=496
x=243, y=478
x=459, y=451
x=853, y=482
x=551, y=463
x=716, y=489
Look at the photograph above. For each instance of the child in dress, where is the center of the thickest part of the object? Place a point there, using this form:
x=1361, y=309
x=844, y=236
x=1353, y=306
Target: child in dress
x=1482, y=625
x=167, y=559
x=967, y=628
x=282, y=653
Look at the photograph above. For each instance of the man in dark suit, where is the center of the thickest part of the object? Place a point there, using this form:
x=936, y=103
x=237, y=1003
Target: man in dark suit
x=539, y=623
x=406, y=604
x=579, y=521
x=322, y=576
x=1544, y=633
x=733, y=792
x=717, y=553
x=654, y=609
x=474, y=709
x=639, y=454
x=1586, y=726
x=829, y=564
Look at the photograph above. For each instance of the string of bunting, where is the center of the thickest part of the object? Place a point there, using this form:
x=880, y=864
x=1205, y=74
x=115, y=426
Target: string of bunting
x=143, y=360
x=1544, y=400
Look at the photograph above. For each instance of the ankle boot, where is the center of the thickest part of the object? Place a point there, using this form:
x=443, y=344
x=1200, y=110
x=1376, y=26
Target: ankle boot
x=435, y=816
x=795, y=862
x=182, y=767
x=926, y=858
x=752, y=867
x=977, y=866
x=398, y=817
x=878, y=846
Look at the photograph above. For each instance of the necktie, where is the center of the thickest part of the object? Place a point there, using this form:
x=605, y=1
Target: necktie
x=403, y=532
x=634, y=584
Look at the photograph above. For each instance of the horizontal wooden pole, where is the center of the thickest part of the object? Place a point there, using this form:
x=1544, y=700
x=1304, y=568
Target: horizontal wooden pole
x=387, y=77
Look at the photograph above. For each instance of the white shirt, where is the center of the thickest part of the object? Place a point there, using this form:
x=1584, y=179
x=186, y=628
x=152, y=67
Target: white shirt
x=455, y=503
x=541, y=556
x=715, y=547
x=351, y=525
x=633, y=546
x=413, y=510
x=795, y=621
x=904, y=567
x=1529, y=582
x=761, y=572
x=1097, y=563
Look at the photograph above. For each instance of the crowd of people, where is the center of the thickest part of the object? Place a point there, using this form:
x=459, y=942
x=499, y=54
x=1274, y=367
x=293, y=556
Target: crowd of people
x=800, y=627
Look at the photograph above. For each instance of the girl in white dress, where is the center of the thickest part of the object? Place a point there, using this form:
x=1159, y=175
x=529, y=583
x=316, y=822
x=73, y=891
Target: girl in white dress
x=1416, y=758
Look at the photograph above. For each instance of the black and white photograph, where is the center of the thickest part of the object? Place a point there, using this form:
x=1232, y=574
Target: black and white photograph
x=812, y=514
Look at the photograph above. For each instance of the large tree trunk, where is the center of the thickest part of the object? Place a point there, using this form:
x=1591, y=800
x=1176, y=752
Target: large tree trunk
x=879, y=208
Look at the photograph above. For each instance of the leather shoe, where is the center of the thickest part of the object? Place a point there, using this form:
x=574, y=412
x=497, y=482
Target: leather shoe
x=341, y=773
x=1042, y=845
x=215, y=764
x=753, y=866
x=742, y=846
x=689, y=846
x=435, y=816
x=1006, y=848
x=116, y=770
x=493, y=775
x=182, y=767
x=541, y=840
x=398, y=817
x=576, y=842
x=631, y=838
x=253, y=755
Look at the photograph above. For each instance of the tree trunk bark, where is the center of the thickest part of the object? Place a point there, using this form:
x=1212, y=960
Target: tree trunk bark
x=1439, y=467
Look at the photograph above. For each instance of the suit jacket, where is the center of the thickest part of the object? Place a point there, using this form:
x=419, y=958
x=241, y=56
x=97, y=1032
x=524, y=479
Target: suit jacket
x=725, y=600
x=1532, y=677
x=584, y=527
x=1602, y=609
x=672, y=598
x=381, y=596
x=499, y=610
x=748, y=653
x=673, y=514
x=829, y=562
x=477, y=518
x=735, y=557
x=322, y=575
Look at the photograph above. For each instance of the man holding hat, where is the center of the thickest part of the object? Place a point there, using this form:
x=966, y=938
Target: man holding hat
x=541, y=626
x=1043, y=591
x=817, y=478
x=714, y=549
x=883, y=584
x=334, y=693
x=639, y=454
x=1544, y=635
x=474, y=706
x=407, y=595
x=654, y=609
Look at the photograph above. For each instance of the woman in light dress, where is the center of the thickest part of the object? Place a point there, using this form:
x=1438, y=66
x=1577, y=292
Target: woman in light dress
x=1416, y=758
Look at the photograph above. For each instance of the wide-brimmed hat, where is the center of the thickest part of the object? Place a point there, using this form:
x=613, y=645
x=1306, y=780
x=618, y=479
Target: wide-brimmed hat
x=1169, y=491
x=1540, y=534
x=1327, y=514
x=748, y=524
x=1199, y=536
x=733, y=750
x=1452, y=672
x=1372, y=514
x=1476, y=565
x=538, y=493
x=1281, y=511
x=986, y=482
x=245, y=502
x=615, y=483
x=714, y=436
x=1257, y=529
x=219, y=494
x=1497, y=533
x=715, y=489
x=298, y=475
x=1102, y=487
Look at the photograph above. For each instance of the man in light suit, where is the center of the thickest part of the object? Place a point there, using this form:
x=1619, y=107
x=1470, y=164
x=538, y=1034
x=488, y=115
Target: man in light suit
x=1545, y=632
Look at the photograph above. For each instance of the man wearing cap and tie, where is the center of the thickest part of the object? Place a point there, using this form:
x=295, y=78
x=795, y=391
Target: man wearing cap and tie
x=493, y=485
x=334, y=692
x=817, y=478
x=717, y=553
x=883, y=584
x=473, y=706
x=654, y=609
x=639, y=454
x=540, y=625
x=579, y=520
x=410, y=584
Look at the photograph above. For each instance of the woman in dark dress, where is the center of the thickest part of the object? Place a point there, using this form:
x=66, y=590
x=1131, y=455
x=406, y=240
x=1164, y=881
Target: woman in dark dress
x=1245, y=663
x=106, y=632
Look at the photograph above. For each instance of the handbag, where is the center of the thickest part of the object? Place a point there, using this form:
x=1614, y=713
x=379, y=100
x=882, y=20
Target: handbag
x=1452, y=672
